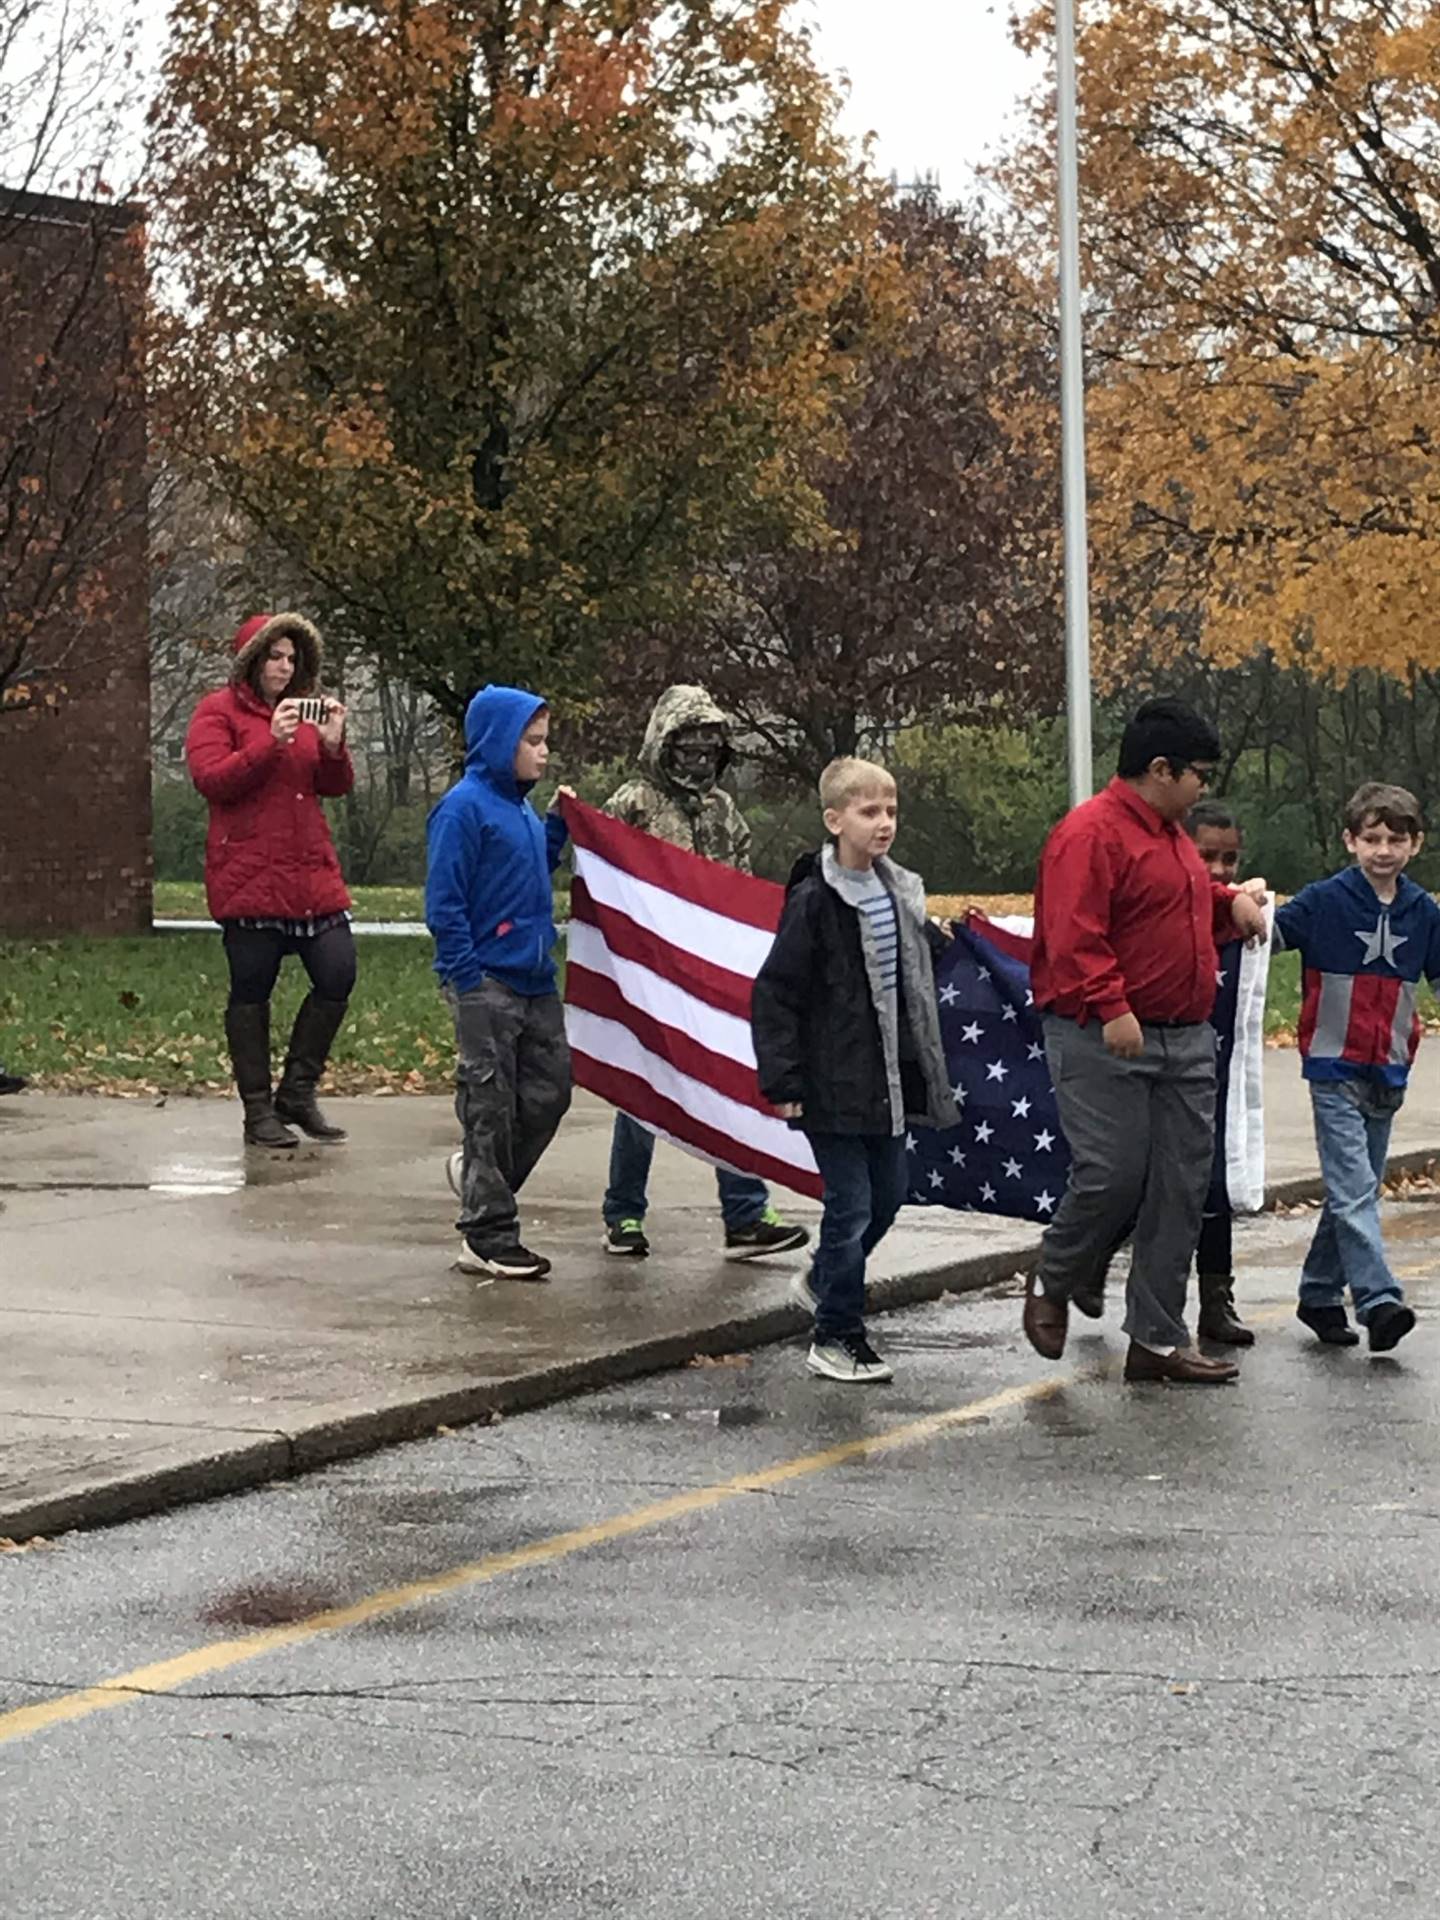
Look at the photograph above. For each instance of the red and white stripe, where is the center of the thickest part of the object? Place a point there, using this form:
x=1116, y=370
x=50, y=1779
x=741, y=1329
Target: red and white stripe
x=663, y=950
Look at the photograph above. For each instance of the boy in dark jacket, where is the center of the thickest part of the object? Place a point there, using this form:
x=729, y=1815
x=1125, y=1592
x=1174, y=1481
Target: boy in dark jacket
x=1366, y=937
x=847, y=1042
x=488, y=904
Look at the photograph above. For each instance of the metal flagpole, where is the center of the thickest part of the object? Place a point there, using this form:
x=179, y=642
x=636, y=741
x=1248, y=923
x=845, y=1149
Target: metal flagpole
x=1072, y=414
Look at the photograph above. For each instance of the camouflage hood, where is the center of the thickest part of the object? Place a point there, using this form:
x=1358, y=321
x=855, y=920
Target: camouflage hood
x=677, y=708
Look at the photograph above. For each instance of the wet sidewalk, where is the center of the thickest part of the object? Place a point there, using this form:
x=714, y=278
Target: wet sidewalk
x=179, y=1318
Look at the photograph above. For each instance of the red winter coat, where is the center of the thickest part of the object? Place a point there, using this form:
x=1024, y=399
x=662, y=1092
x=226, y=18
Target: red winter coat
x=268, y=853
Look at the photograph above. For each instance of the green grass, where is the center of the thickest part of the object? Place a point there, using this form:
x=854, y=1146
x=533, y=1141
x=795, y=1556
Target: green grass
x=144, y=1014
x=185, y=900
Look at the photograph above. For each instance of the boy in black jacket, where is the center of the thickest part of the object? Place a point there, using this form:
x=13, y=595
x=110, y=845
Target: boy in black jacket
x=847, y=1041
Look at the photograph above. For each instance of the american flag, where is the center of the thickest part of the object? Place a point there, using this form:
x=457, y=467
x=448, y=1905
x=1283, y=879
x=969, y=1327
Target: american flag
x=663, y=949
x=662, y=952
x=1009, y=1155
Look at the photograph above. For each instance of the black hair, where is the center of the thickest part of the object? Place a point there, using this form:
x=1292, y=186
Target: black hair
x=1166, y=729
x=1218, y=814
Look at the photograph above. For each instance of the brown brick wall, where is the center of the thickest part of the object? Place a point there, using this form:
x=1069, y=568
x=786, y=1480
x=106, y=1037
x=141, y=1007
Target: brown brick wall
x=75, y=843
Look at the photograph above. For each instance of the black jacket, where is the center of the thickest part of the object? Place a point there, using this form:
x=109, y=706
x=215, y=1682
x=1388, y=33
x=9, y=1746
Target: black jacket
x=814, y=1022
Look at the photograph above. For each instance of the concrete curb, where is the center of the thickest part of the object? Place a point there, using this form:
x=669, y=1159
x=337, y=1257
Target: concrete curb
x=322, y=1443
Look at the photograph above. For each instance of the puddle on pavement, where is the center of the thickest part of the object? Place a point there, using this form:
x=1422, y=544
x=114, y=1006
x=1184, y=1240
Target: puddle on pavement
x=184, y=1179
x=944, y=1342
x=268, y=1604
x=742, y=1415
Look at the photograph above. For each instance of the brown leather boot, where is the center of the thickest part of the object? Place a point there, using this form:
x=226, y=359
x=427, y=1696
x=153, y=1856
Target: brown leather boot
x=1218, y=1319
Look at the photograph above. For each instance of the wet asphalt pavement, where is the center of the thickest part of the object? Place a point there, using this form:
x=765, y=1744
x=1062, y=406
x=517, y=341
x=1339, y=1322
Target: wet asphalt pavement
x=1096, y=1651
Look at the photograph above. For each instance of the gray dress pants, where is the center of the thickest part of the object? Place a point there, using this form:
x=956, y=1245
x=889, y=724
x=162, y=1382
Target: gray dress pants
x=1142, y=1139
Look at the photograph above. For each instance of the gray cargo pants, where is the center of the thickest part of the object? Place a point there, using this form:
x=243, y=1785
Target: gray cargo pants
x=1142, y=1139
x=512, y=1087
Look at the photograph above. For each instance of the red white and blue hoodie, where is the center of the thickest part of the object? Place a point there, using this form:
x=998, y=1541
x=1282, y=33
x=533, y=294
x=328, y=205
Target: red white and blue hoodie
x=1363, y=963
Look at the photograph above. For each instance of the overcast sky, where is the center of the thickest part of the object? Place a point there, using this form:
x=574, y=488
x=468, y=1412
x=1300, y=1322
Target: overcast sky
x=934, y=80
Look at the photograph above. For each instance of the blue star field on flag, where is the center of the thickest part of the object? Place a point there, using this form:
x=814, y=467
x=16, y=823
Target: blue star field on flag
x=1008, y=1155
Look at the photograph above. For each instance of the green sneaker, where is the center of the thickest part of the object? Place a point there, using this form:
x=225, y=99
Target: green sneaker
x=626, y=1240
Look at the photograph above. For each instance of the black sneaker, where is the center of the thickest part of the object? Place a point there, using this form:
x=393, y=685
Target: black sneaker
x=626, y=1240
x=1388, y=1325
x=12, y=1082
x=770, y=1234
x=1329, y=1324
x=507, y=1263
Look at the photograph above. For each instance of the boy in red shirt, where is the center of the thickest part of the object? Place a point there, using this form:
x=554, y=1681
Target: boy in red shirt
x=1126, y=924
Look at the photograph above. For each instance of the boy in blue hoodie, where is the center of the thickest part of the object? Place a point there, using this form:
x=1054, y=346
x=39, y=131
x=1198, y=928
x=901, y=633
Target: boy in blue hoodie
x=1366, y=937
x=488, y=904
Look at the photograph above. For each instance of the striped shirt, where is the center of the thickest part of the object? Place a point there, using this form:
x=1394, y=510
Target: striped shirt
x=869, y=895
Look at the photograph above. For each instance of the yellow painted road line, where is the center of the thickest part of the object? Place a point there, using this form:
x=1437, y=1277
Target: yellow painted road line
x=221, y=1656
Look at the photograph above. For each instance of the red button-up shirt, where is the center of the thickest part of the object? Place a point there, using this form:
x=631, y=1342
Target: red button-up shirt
x=1126, y=916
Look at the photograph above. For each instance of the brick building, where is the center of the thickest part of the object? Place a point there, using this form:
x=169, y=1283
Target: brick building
x=74, y=655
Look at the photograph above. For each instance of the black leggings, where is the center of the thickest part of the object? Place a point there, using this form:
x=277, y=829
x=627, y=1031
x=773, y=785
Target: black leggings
x=255, y=954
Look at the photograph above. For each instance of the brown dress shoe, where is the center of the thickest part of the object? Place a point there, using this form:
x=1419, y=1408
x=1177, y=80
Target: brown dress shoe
x=1045, y=1321
x=1185, y=1366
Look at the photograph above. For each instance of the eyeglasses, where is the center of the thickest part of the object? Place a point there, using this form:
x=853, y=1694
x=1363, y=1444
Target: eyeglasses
x=1203, y=774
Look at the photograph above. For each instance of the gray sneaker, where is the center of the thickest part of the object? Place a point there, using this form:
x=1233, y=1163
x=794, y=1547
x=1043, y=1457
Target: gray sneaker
x=850, y=1359
x=455, y=1173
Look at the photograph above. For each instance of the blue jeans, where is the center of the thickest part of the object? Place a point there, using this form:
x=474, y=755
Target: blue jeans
x=865, y=1180
x=1352, y=1131
x=743, y=1198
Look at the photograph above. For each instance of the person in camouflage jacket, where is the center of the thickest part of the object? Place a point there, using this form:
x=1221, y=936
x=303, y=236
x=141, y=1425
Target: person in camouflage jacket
x=677, y=796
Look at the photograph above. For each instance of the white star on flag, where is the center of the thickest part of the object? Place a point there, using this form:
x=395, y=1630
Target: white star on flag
x=987, y=1194
x=997, y=1070
x=984, y=1133
x=959, y=1095
x=1012, y=1169
x=949, y=994
x=957, y=1157
x=1045, y=1203
x=1044, y=1141
x=1010, y=1014
x=909, y=1143
x=1021, y=1109
x=982, y=973
x=972, y=1033
x=1035, y=1051
x=937, y=1179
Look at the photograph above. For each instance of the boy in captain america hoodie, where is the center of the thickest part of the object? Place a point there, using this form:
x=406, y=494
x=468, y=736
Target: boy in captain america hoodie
x=488, y=904
x=1366, y=936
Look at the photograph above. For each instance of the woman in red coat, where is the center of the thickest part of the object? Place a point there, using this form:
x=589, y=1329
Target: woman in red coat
x=271, y=873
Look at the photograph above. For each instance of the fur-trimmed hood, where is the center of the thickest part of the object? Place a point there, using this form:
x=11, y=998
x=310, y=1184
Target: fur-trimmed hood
x=676, y=709
x=257, y=633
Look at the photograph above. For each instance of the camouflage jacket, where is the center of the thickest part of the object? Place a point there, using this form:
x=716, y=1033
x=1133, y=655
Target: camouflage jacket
x=707, y=821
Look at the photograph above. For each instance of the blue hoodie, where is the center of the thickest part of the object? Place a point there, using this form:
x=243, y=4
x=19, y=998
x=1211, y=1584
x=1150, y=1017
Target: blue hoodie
x=487, y=887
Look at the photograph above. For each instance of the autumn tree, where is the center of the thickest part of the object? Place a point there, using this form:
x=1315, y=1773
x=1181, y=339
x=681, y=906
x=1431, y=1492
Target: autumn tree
x=1261, y=207
x=72, y=444
x=503, y=319
x=937, y=596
